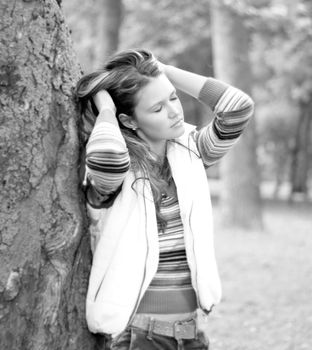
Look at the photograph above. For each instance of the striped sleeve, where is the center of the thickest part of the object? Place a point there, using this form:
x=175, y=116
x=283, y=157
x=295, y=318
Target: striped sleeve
x=232, y=109
x=107, y=158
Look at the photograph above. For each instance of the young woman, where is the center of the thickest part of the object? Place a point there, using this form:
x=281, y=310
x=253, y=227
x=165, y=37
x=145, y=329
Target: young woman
x=148, y=199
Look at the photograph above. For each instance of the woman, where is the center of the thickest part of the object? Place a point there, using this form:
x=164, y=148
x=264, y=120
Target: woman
x=148, y=199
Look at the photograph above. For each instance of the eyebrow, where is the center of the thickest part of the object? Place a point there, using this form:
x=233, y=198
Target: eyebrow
x=161, y=101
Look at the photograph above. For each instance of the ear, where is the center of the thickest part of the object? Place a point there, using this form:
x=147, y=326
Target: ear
x=127, y=121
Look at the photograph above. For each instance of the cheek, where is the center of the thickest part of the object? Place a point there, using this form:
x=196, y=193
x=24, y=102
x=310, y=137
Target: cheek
x=153, y=122
x=157, y=127
x=181, y=108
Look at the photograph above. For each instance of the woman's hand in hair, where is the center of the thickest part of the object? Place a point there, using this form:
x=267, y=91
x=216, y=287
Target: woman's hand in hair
x=103, y=100
x=161, y=67
x=188, y=82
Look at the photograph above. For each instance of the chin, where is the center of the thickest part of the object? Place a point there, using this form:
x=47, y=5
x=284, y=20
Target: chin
x=179, y=132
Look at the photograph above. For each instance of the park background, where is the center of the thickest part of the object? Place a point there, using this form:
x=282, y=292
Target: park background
x=261, y=191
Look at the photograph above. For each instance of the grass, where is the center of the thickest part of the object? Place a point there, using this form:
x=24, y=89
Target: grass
x=267, y=283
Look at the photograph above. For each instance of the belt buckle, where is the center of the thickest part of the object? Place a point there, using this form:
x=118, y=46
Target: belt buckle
x=179, y=333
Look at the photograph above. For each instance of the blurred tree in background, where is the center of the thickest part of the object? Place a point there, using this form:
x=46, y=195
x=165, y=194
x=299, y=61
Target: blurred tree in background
x=95, y=29
x=282, y=59
x=299, y=50
x=240, y=197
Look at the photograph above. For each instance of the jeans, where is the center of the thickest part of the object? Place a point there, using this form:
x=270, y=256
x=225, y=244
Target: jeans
x=137, y=339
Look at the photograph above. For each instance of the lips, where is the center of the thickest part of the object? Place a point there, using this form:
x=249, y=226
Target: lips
x=177, y=123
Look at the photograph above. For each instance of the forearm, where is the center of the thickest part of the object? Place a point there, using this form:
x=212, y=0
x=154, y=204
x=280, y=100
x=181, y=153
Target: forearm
x=188, y=82
x=208, y=90
x=106, y=108
x=107, y=156
x=107, y=114
x=232, y=109
x=224, y=100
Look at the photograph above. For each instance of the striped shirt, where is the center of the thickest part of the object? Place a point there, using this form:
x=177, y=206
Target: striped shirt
x=171, y=290
x=107, y=161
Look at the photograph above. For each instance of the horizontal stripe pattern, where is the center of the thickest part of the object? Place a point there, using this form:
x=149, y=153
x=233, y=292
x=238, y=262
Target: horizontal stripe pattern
x=232, y=112
x=107, y=157
x=171, y=289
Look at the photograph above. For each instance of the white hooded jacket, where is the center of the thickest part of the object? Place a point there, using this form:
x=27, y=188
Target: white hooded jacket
x=124, y=241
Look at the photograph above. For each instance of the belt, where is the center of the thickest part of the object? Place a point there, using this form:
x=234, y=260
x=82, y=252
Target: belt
x=186, y=329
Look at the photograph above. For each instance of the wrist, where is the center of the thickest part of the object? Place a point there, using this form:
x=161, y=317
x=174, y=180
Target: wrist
x=166, y=68
x=108, y=108
x=103, y=100
x=107, y=115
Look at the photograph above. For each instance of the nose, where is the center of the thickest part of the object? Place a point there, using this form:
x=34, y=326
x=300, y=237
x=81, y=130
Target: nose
x=173, y=110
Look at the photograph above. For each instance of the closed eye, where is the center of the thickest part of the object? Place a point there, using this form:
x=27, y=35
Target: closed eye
x=173, y=97
x=158, y=109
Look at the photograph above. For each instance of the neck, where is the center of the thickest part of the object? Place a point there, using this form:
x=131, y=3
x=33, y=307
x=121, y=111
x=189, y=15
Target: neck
x=159, y=149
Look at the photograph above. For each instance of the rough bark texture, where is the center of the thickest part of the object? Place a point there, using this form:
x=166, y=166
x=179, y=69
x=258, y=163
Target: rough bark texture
x=239, y=170
x=44, y=250
x=301, y=153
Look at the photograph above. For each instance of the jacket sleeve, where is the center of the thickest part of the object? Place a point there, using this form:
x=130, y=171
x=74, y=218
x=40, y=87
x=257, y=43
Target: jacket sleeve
x=107, y=160
x=232, y=110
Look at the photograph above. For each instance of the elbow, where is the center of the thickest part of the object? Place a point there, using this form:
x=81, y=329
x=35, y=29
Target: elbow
x=110, y=162
x=252, y=105
x=252, y=108
x=248, y=107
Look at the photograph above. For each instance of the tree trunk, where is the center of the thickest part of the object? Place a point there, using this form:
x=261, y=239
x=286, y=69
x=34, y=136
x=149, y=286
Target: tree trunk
x=44, y=248
x=240, y=198
x=109, y=25
x=301, y=153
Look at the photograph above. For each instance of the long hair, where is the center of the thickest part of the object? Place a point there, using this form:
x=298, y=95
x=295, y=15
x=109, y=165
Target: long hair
x=123, y=76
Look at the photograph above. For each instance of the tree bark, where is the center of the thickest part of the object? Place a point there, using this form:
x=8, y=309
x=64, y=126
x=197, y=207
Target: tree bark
x=301, y=153
x=240, y=197
x=44, y=249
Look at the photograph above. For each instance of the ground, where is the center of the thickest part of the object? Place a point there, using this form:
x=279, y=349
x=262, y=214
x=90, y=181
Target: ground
x=267, y=282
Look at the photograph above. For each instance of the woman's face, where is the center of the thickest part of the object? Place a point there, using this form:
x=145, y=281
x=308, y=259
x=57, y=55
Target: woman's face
x=159, y=113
